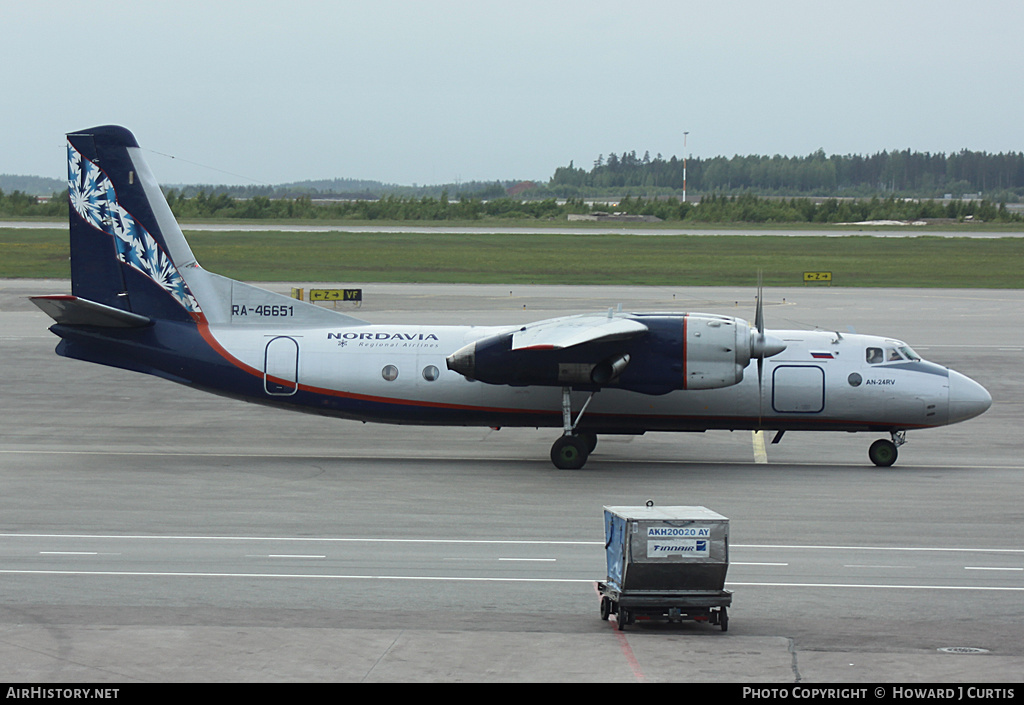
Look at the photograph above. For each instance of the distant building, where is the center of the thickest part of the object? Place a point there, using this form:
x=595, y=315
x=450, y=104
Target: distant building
x=514, y=191
x=615, y=218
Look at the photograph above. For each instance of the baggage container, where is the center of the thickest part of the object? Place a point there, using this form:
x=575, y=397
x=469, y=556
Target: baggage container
x=665, y=562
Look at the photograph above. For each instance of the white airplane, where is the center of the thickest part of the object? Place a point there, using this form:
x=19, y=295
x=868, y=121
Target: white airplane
x=141, y=302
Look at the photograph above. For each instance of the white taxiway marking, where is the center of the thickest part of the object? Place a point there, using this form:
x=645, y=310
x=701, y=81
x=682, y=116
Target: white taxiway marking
x=548, y=560
x=876, y=548
x=876, y=586
x=465, y=579
x=69, y=553
x=293, y=576
x=507, y=542
x=325, y=539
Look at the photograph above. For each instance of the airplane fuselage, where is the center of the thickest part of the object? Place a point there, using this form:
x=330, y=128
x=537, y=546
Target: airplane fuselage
x=822, y=381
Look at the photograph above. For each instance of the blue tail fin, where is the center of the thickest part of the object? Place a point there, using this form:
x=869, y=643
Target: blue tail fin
x=129, y=254
x=120, y=254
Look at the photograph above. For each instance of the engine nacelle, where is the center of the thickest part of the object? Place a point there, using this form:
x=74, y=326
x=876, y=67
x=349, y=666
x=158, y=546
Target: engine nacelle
x=678, y=351
x=716, y=350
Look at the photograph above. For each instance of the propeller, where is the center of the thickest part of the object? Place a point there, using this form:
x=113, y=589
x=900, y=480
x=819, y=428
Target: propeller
x=762, y=345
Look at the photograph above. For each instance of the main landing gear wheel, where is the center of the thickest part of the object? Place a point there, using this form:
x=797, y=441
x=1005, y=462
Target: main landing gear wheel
x=569, y=453
x=590, y=438
x=883, y=453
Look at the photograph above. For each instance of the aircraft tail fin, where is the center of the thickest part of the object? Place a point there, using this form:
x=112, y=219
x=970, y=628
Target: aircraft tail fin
x=128, y=252
x=120, y=255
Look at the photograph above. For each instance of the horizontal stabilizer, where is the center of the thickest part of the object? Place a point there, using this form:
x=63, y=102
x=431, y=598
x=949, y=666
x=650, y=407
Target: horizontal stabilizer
x=558, y=333
x=73, y=311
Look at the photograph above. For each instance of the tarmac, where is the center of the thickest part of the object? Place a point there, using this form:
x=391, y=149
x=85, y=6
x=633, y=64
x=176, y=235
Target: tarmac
x=153, y=533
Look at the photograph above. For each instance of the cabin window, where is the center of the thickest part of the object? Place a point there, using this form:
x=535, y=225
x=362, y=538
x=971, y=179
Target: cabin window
x=430, y=373
x=390, y=373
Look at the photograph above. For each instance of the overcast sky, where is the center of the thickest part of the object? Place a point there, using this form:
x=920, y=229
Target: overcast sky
x=442, y=91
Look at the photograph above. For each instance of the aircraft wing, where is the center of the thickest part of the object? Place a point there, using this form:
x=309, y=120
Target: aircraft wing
x=569, y=331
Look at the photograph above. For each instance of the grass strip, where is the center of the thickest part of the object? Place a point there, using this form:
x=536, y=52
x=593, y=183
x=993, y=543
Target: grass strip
x=681, y=260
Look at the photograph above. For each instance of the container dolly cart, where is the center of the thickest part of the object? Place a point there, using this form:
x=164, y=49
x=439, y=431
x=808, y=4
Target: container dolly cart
x=666, y=563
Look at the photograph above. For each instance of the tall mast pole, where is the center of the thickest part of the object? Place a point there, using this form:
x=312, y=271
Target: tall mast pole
x=684, y=166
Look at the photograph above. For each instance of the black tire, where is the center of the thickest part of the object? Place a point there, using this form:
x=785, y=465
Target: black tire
x=623, y=618
x=590, y=438
x=883, y=453
x=606, y=608
x=569, y=453
x=723, y=619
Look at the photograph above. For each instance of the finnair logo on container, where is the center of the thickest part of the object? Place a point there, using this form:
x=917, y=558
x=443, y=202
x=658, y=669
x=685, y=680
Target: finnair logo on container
x=660, y=532
x=686, y=548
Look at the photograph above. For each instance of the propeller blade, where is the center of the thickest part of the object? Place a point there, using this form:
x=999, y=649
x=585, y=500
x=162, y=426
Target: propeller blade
x=762, y=346
x=759, y=313
x=760, y=392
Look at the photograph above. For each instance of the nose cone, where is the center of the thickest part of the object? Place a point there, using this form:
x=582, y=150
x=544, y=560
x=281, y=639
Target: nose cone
x=463, y=361
x=773, y=345
x=764, y=345
x=967, y=398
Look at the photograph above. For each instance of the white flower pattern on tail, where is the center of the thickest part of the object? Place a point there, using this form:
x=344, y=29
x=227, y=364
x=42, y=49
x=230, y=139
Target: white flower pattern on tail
x=94, y=199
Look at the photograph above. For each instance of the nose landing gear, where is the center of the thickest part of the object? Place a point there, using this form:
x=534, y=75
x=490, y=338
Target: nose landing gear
x=883, y=453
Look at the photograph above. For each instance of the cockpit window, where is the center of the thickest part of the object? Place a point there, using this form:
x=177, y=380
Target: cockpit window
x=895, y=353
x=909, y=353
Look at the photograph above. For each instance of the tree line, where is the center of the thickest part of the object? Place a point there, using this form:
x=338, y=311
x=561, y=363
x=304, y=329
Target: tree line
x=389, y=207
x=743, y=208
x=749, y=208
x=922, y=174
x=714, y=208
x=19, y=204
x=965, y=174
